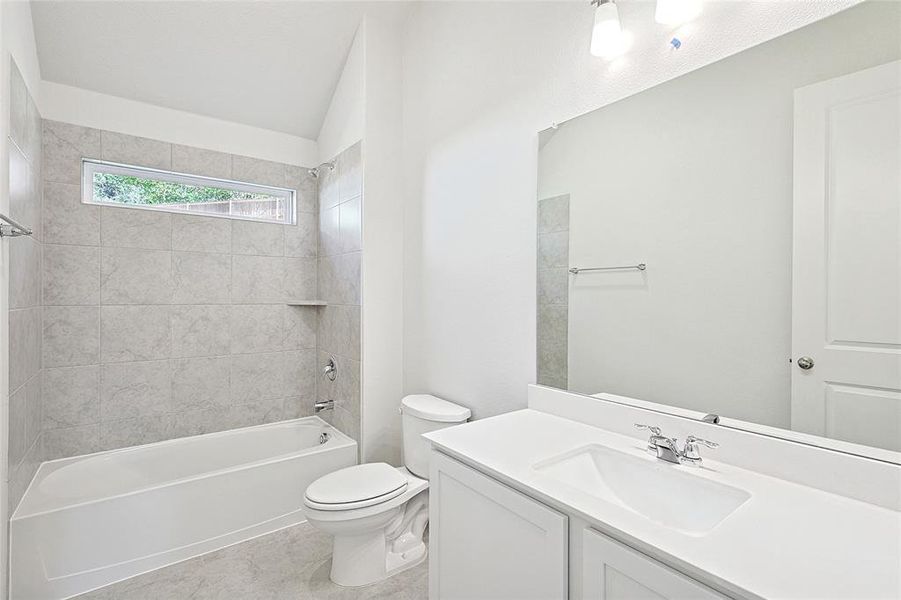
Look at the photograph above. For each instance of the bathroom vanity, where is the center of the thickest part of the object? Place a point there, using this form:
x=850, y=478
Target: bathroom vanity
x=559, y=507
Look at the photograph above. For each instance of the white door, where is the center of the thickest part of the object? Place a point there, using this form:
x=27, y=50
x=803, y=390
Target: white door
x=846, y=305
x=613, y=571
x=489, y=542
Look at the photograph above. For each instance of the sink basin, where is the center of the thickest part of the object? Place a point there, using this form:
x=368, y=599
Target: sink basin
x=659, y=491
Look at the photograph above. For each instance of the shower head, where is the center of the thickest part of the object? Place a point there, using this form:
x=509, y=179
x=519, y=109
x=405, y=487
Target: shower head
x=317, y=170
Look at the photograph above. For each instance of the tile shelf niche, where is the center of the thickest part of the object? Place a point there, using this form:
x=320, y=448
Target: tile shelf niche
x=307, y=303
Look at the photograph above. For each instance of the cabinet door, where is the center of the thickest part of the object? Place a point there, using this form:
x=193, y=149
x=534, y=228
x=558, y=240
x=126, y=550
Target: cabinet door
x=488, y=541
x=613, y=571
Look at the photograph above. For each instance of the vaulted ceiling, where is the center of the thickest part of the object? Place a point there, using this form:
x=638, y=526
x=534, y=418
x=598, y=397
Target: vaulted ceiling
x=273, y=65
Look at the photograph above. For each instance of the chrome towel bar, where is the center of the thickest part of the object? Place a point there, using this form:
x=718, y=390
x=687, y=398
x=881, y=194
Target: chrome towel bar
x=639, y=266
x=11, y=228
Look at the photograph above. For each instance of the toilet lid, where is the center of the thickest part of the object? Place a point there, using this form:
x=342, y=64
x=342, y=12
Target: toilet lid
x=360, y=485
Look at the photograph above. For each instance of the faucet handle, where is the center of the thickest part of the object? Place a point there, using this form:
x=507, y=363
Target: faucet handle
x=692, y=440
x=651, y=428
x=690, y=454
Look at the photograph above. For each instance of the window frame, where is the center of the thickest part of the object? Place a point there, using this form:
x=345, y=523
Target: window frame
x=89, y=166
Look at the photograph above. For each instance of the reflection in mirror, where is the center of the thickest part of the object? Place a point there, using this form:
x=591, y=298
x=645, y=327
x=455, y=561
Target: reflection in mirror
x=763, y=193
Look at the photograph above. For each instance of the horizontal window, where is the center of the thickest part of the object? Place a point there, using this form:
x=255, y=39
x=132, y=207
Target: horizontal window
x=139, y=187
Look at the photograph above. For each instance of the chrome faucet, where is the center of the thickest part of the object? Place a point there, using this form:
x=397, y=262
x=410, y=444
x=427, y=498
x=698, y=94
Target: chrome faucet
x=667, y=448
x=691, y=455
x=324, y=405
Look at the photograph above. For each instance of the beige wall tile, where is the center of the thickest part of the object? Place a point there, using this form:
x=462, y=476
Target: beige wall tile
x=24, y=273
x=33, y=147
x=258, y=279
x=135, y=228
x=201, y=278
x=553, y=214
x=259, y=239
x=16, y=435
x=200, y=330
x=135, y=389
x=350, y=215
x=200, y=383
x=71, y=441
x=201, y=234
x=255, y=170
x=64, y=147
x=328, y=188
x=553, y=286
x=305, y=186
x=18, y=100
x=133, y=150
x=257, y=328
x=301, y=324
x=24, y=203
x=301, y=279
x=301, y=371
x=350, y=172
x=136, y=431
x=71, y=275
x=302, y=239
x=66, y=219
x=339, y=330
x=71, y=336
x=257, y=377
x=130, y=333
x=133, y=276
x=553, y=250
x=71, y=396
x=199, y=161
x=329, y=232
x=24, y=345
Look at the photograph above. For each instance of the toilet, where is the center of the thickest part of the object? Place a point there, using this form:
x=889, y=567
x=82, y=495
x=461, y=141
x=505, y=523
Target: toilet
x=378, y=513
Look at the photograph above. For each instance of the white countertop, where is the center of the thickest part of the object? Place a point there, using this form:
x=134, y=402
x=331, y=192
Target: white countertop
x=786, y=541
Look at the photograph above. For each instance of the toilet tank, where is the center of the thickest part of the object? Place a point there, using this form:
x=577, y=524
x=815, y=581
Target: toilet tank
x=422, y=413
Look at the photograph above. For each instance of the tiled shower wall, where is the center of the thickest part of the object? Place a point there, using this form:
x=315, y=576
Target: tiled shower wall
x=25, y=447
x=553, y=290
x=340, y=254
x=160, y=325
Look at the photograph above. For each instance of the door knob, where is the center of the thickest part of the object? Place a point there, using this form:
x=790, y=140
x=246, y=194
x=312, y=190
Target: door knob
x=805, y=362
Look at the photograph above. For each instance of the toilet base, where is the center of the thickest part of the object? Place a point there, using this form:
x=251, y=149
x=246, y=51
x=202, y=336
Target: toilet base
x=352, y=575
x=371, y=556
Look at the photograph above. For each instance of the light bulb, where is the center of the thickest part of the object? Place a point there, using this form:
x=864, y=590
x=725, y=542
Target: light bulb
x=607, y=37
x=676, y=12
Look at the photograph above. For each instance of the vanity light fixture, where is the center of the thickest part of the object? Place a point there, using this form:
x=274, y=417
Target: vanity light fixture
x=608, y=40
x=676, y=12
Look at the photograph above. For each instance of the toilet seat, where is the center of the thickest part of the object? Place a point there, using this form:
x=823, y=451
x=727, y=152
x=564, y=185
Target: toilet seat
x=355, y=487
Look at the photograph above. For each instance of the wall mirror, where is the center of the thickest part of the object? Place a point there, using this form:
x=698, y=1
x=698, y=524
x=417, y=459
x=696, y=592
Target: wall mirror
x=729, y=241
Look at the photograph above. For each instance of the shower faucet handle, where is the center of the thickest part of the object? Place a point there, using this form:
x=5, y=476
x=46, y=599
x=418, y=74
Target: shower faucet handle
x=330, y=370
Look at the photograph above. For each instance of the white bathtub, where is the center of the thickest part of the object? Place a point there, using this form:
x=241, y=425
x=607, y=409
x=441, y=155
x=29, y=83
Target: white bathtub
x=89, y=521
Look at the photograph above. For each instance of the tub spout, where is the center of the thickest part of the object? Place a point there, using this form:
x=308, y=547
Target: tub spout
x=324, y=405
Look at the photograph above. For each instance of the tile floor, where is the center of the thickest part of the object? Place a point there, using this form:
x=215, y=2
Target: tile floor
x=291, y=564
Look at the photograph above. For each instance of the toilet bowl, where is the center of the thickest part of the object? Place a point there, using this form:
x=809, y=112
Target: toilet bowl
x=378, y=513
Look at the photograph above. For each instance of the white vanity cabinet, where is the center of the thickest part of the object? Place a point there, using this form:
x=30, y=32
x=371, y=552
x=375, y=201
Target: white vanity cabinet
x=614, y=571
x=491, y=542
x=488, y=541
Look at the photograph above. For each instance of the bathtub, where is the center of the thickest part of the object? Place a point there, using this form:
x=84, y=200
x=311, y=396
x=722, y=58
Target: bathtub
x=89, y=521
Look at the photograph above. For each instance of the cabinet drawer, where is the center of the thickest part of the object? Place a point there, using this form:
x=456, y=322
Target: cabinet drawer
x=614, y=571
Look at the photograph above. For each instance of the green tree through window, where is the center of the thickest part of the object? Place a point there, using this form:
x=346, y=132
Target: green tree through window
x=127, y=189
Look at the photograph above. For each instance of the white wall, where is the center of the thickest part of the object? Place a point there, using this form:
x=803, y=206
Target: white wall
x=344, y=121
x=92, y=109
x=382, y=270
x=694, y=177
x=481, y=79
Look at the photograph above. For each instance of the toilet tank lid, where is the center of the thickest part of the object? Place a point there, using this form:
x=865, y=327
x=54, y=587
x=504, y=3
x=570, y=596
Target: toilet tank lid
x=431, y=408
